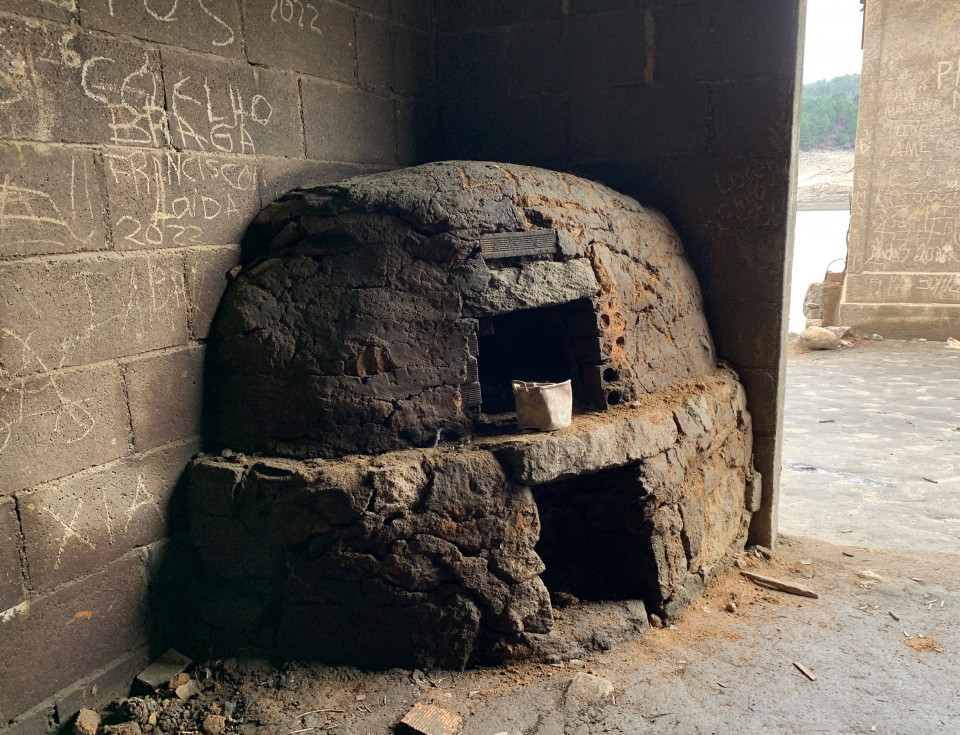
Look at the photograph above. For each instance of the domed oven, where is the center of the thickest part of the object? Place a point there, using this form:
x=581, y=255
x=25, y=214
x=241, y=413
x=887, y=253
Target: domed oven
x=375, y=503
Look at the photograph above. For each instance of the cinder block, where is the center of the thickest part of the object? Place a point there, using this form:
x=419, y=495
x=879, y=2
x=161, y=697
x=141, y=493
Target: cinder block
x=747, y=333
x=165, y=392
x=222, y=106
x=212, y=26
x=164, y=199
x=456, y=16
x=418, y=133
x=412, y=62
x=75, y=526
x=732, y=40
x=107, y=684
x=473, y=66
x=374, y=51
x=53, y=641
x=206, y=279
x=52, y=200
x=605, y=50
x=414, y=13
x=316, y=38
x=636, y=123
x=747, y=264
x=62, y=12
x=88, y=89
x=535, y=60
x=60, y=422
x=766, y=130
x=346, y=125
x=11, y=584
x=371, y=6
x=72, y=311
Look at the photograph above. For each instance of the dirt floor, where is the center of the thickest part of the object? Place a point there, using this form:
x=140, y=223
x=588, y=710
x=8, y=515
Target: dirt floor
x=871, y=461
x=881, y=640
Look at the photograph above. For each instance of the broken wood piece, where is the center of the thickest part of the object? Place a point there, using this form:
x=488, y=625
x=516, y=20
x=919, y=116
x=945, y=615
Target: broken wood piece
x=776, y=584
x=428, y=719
x=805, y=671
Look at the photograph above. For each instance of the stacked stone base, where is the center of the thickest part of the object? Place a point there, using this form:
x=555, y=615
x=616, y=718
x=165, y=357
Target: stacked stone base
x=431, y=557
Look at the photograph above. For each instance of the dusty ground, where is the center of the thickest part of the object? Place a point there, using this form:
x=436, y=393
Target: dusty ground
x=871, y=451
x=717, y=672
x=825, y=179
x=864, y=428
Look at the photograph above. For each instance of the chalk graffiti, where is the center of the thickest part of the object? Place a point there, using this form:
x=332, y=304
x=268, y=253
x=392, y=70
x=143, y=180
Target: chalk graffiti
x=31, y=218
x=69, y=532
x=180, y=199
x=285, y=11
x=227, y=132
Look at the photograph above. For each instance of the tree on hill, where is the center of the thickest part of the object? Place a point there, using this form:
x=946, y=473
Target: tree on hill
x=828, y=116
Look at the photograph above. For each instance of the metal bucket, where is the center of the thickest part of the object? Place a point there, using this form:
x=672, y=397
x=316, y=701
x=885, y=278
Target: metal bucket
x=543, y=406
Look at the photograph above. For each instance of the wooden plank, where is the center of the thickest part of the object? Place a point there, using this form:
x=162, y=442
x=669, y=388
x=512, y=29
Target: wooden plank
x=777, y=584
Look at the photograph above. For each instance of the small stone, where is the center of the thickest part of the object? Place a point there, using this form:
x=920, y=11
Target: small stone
x=234, y=272
x=655, y=621
x=841, y=332
x=188, y=690
x=740, y=563
x=731, y=607
x=589, y=689
x=124, y=728
x=818, y=338
x=763, y=552
x=561, y=600
x=137, y=709
x=214, y=724
x=87, y=722
x=178, y=680
x=876, y=337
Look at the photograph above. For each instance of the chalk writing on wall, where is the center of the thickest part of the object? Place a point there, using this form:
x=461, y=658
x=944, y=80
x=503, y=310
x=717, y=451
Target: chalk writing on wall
x=175, y=199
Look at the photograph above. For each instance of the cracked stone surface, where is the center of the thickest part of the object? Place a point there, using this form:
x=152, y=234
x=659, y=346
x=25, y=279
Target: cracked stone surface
x=361, y=299
x=312, y=557
x=381, y=512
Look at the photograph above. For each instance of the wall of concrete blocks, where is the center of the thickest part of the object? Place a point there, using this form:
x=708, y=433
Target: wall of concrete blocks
x=687, y=105
x=137, y=139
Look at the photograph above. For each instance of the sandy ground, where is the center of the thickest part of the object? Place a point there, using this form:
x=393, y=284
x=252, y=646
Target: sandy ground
x=825, y=179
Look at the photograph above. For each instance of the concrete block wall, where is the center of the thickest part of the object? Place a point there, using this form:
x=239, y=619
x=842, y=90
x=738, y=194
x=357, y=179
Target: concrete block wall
x=903, y=260
x=688, y=105
x=136, y=143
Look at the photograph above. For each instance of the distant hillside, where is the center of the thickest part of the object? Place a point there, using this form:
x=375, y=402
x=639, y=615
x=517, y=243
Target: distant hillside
x=828, y=117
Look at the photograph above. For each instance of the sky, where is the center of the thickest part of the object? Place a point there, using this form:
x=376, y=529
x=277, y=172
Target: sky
x=832, y=44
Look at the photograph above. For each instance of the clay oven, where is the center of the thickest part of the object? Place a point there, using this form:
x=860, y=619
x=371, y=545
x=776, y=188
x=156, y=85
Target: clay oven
x=375, y=503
